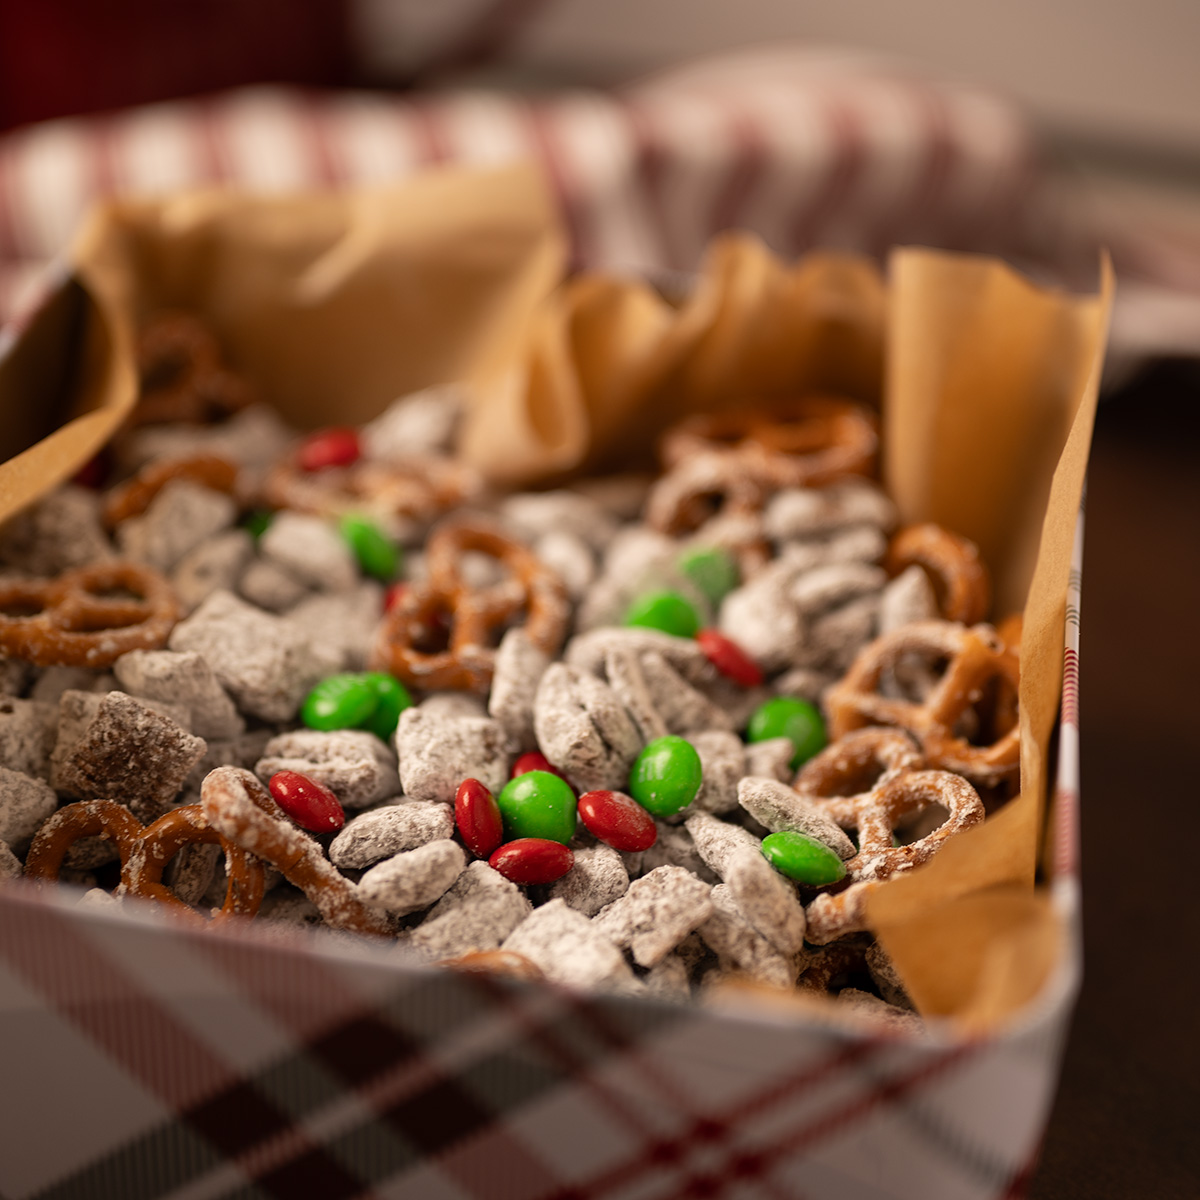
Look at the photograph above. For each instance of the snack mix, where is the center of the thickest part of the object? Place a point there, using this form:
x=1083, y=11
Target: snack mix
x=656, y=737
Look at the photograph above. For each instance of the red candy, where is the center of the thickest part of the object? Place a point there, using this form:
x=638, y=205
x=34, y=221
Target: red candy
x=336, y=447
x=309, y=803
x=617, y=820
x=477, y=816
x=392, y=596
x=533, y=761
x=532, y=860
x=729, y=658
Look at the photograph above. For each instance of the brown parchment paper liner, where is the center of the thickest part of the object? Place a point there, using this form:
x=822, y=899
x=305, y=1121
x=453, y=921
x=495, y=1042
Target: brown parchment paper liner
x=336, y=304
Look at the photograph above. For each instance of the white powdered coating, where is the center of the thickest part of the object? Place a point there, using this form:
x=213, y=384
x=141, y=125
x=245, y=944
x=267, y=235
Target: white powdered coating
x=588, y=652
x=10, y=864
x=252, y=438
x=569, y=949
x=449, y=706
x=804, y=683
x=420, y=423
x=534, y=515
x=191, y=872
x=266, y=663
x=571, y=559
x=835, y=638
x=722, y=762
x=271, y=586
x=668, y=979
x=216, y=564
x=519, y=668
x=830, y=587
x=437, y=754
x=583, y=728
x=27, y=735
x=354, y=764
x=413, y=880
x=766, y=900
x=477, y=913
x=58, y=533
x=185, y=680
x=779, y=807
x=816, y=512
x=627, y=680
x=656, y=913
x=25, y=802
x=886, y=978
x=181, y=516
x=683, y=708
x=762, y=618
x=342, y=622
x=909, y=597
x=674, y=845
x=741, y=949
x=310, y=549
x=717, y=842
x=383, y=832
x=771, y=758
x=53, y=682
x=879, y=1012
x=598, y=878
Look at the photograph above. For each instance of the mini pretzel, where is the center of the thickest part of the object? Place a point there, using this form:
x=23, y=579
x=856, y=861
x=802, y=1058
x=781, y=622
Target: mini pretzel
x=145, y=851
x=820, y=439
x=475, y=614
x=506, y=963
x=236, y=804
x=420, y=488
x=959, y=577
x=71, y=621
x=974, y=658
x=133, y=497
x=182, y=378
x=898, y=794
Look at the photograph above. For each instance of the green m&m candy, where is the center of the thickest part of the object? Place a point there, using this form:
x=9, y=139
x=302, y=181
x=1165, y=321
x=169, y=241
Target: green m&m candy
x=796, y=720
x=664, y=610
x=712, y=569
x=538, y=805
x=391, y=699
x=258, y=522
x=666, y=776
x=339, y=702
x=377, y=554
x=802, y=858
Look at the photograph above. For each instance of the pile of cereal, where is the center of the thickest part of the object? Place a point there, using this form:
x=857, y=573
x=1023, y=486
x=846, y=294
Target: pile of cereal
x=647, y=736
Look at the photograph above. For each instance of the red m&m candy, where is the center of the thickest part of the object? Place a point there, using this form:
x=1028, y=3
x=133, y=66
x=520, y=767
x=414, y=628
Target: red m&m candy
x=617, y=820
x=309, y=803
x=336, y=447
x=532, y=860
x=477, y=816
x=729, y=658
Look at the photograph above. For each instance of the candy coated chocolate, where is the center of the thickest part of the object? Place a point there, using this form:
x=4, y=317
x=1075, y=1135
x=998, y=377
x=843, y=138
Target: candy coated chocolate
x=666, y=775
x=729, y=658
x=797, y=720
x=617, y=820
x=802, y=858
x=477, y=816
x=538, y=804
x=334, y=447
x=309, y=803
x=666, y=611
x=532, y=860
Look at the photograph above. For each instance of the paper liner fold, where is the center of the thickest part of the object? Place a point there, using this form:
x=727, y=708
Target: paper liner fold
x=333, y=305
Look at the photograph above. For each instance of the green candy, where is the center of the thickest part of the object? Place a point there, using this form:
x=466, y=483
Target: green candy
x=538, y=805
x=796, y=720
x=664, y=610
x=712, y=569
x=339, y=702
x=666, y=776
x=802, y=858
x=376, y=553
x=391, y=699
x=258, y=522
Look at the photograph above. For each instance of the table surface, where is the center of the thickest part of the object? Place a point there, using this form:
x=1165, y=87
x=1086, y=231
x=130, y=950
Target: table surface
x=1124, y=1121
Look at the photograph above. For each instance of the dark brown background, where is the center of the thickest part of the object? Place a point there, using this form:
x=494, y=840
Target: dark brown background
x=1125, y=1120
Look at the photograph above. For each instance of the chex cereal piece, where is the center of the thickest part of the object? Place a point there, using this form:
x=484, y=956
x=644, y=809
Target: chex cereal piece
x=10, y=864
x=656, y=913
x=532, y=515
x=311, y=550
x=879, y=1012
x=908, y=597
x=569, y=949
x=570, y=558
x=54, y=681
x=25, y=802
x=14, y=675
x=761, y=617
x=668, y=979
x=128, y=753
x=59, y=533
x=241, y=751
x=184, y=679
x=779, y=807
x=382, y=832
x=354, y=764
x=717, y=842
x=27, y=733
x=740, y=948
x=683, y=708
x=422, y=422
x=598, y=878
x=771, y=758
x=835, y=638
x=478, y=912
x=626, y=678
x=191, y=872
x=344, y=622
x=814, y=512
x=588, y=652
x=723, y=761
x=266, y=663
x=217, y=563
x=583, y=728
x=519, y=668
x=450, y=706
x=270, y=586
x=287, y=905
x=675, y=846
x=437, y=754
x=413, y=879
x=178, y=519
x=803, y=683
x=886, y=978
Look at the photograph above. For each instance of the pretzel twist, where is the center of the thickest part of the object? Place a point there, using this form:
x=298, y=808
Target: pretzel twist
x=974, y=658
x=145, y=852
x=243, y=811
x=475, y=614
x=71, y=621
x=960, y=580
x=133, y=497
x=872, y=782
x=182, y=378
